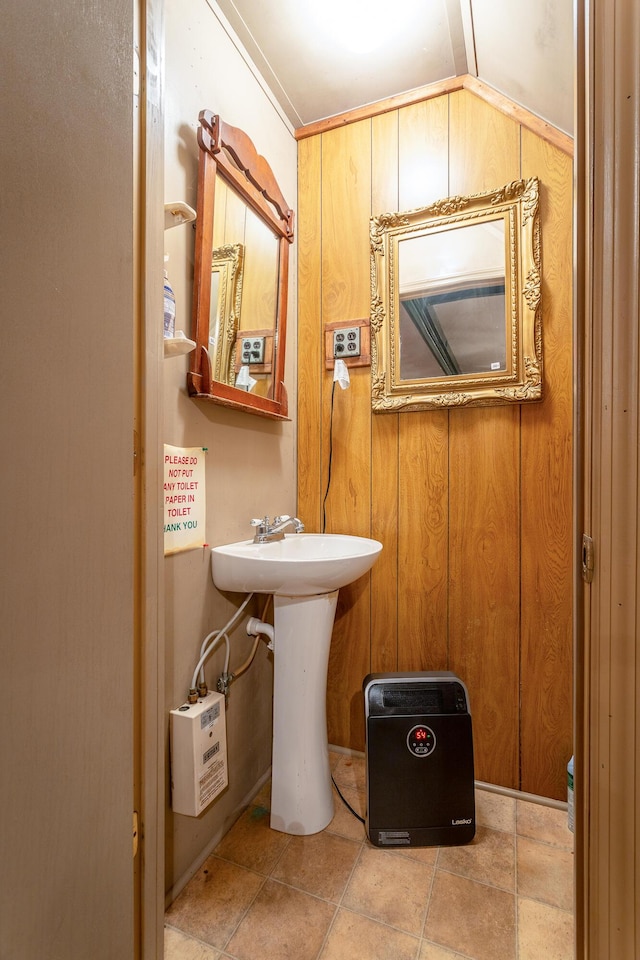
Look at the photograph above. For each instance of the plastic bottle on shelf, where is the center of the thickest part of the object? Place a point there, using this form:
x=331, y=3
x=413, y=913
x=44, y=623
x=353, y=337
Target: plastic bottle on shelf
x=169, y=307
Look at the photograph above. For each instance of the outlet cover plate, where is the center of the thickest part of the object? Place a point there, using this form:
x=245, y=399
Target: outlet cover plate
x=339, y=334
x=252, y=350
x=346, y=342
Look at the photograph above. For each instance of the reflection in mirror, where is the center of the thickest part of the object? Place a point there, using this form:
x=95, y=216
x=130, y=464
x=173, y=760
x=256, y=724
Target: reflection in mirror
x=455, y=309
x=452, y=306
x=243, y=231
x=227, y=265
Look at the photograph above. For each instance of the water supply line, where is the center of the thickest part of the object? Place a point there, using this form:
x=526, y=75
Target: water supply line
x=198, y=683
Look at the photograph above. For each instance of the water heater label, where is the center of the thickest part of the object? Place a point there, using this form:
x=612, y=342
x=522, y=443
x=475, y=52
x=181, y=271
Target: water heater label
x=211, y=753
x=212, y=782
x=209, y=717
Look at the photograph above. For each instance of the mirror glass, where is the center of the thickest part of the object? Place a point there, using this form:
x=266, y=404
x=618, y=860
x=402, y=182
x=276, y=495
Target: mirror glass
x=452, y=312
x=455, y=302
x=243, y=232
x=244, y=294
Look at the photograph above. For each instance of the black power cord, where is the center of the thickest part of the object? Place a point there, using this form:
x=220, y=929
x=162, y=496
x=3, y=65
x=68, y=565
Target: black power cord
x=326, y=494
x=346, y=802
x=324, y=524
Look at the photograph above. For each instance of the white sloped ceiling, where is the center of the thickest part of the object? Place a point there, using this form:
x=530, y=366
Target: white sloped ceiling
x=329, y=56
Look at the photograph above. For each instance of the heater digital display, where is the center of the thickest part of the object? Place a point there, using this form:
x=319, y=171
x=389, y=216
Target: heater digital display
x=421, y=740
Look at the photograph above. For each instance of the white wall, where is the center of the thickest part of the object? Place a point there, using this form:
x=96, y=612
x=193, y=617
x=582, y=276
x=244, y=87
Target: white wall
x=251, y=463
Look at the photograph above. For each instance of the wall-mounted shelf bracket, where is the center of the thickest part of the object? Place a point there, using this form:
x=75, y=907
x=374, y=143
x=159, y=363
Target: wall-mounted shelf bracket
x=179, y=345
x=177, y=213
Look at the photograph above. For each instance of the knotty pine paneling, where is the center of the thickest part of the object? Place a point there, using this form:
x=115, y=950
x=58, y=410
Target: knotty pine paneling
x=484, y=146
x=473, y=506
x=423, y=144
x=384, y=436
x=547, y=542
x=310, y=337
x=384, y=163
x=385, y=506
x=484, y=489
x=484, y=588
x=346, y=205
x=423, y=549
x=346, y=208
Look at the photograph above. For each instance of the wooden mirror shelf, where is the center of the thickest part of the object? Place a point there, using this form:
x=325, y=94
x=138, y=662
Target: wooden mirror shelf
x=240, y=207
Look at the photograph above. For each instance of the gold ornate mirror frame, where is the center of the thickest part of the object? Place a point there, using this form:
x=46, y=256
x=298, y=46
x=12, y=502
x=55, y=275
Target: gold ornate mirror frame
x=227, y=264
x=516, y=373
x=227, y=152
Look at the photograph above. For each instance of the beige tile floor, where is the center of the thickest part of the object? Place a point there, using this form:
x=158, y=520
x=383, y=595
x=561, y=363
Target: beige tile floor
x=264, y=895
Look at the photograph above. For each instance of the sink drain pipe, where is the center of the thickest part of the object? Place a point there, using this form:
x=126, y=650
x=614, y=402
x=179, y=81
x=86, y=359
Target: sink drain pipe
x=255, y=628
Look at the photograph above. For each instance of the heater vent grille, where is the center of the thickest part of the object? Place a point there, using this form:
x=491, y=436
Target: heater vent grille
x=427, y=700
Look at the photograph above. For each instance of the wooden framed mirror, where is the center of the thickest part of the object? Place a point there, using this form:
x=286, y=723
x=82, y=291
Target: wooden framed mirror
x=455, y=302
x=243, y=231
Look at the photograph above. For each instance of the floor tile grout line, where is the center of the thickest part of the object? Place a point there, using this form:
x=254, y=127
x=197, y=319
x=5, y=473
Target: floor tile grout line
x=246, y=911
x=210, y=946
x=382, y=923
x=401, y=853
x=456, y=953
x=429, y=895
x=257, y=873
x=363, y=844
x=483, y=883
x=339, y=903
x=282, y=853
x=341, y=906
x=545, y=843
x=191, y=936
x=291, y=886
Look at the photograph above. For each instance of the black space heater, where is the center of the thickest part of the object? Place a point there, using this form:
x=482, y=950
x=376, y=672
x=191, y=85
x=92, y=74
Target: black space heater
x=419, y=760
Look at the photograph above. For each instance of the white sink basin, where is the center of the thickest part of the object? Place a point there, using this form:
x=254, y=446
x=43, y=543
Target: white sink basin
x=301, y=565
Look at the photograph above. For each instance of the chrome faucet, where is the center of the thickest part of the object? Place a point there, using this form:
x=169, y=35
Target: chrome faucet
x=268, y=532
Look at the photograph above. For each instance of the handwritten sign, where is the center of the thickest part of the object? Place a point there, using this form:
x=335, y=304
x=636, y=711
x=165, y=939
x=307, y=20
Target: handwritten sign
x=184, y=498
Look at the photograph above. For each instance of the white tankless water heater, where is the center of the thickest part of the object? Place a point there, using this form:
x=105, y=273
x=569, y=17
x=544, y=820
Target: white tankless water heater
x=419, y=760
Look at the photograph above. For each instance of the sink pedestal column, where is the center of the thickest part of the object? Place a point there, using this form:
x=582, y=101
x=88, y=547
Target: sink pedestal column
x=301, y=795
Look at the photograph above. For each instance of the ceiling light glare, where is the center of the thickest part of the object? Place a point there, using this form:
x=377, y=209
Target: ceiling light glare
x=362, y=26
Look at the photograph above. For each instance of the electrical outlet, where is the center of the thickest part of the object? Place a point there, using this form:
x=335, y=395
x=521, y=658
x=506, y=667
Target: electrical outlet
x=346, y=342
x=252, y=349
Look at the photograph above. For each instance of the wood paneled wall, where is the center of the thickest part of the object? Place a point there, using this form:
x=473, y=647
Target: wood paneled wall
x=473, y=506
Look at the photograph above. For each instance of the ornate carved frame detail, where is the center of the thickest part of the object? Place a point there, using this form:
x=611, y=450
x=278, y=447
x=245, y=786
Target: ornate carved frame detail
x=228, y=262
x=228, y=151
x=517, y=202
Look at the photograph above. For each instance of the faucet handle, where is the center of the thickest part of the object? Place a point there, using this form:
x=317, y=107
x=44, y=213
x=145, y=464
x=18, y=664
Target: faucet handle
x=260, y=523
x=285, y=516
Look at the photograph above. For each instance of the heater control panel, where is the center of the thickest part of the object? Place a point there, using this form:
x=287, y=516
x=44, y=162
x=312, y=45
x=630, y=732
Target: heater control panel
x=421, y=740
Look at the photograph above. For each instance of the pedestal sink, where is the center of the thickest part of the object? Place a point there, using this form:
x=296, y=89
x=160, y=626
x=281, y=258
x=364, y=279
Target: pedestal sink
x=304, y=572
